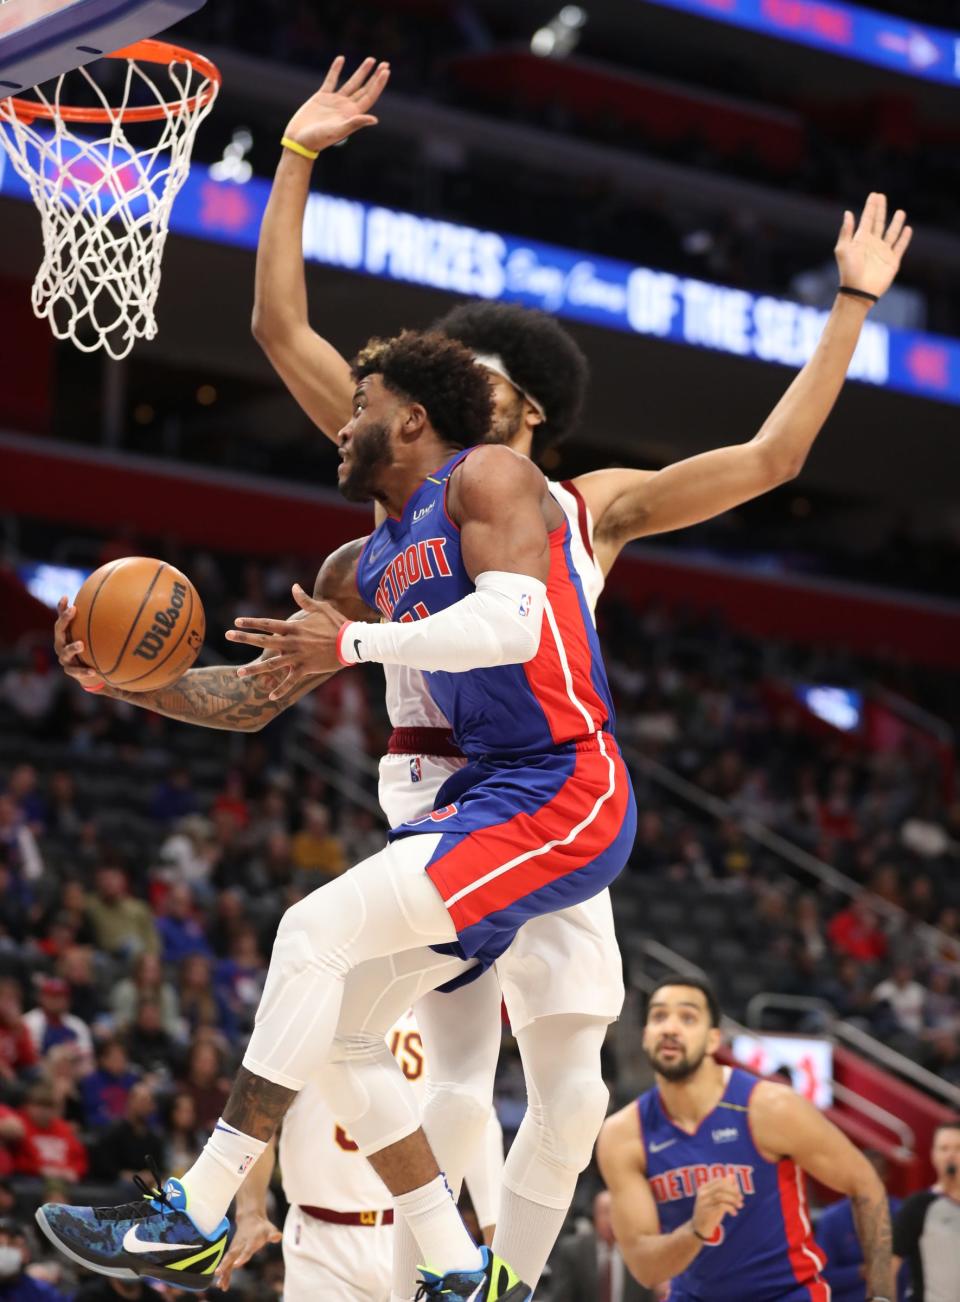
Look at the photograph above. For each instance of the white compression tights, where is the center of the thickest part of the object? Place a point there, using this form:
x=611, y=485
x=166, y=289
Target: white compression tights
x=566, y=1104
x=385, y=906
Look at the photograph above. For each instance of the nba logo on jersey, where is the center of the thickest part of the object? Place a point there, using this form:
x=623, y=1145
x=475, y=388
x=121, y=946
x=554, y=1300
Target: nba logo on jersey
x=525, y=601
x=416, y=769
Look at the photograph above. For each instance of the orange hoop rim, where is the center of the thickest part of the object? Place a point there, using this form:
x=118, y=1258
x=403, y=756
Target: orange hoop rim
x=149, y=51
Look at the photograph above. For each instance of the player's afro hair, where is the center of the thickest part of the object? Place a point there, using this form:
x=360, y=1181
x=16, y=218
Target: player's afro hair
x=537, y=351
x=439, y=373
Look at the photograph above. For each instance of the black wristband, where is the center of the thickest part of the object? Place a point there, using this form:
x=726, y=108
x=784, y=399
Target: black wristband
x=858, y=293
x=702, y=1237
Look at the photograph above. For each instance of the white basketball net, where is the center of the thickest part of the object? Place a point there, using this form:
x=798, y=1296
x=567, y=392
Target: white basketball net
x=105, y=203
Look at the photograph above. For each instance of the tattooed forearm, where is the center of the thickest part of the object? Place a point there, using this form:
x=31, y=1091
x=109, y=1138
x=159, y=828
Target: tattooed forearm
x=257, y=1106
x=217, y=698
x=871, y=1215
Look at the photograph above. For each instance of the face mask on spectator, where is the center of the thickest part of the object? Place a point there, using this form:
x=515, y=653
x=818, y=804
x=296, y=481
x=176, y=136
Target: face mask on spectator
x=11, y=1261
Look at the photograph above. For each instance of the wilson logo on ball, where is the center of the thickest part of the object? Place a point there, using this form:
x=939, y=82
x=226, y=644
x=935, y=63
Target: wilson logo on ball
x=164, y=622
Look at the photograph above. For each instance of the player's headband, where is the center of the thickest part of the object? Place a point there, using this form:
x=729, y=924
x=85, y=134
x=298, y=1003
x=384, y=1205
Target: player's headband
x=493, y=362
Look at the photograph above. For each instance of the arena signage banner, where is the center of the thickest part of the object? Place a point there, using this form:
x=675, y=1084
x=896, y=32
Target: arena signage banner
x=403, y=247
x=899, y=44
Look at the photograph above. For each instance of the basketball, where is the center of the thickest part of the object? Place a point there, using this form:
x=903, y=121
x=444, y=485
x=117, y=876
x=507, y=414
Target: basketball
x=141, y=623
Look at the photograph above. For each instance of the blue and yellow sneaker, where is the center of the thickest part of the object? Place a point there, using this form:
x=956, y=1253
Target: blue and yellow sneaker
x=493, y=1282
x=153, y=1237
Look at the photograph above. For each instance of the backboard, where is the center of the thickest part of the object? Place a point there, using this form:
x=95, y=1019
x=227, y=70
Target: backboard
x=40, y=39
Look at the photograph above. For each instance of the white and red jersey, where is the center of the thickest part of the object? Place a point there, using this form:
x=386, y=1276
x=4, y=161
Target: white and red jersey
x=409, y=703
x=319, y=1162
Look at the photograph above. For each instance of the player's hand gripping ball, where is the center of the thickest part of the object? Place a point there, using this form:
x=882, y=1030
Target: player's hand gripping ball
x=139, y=622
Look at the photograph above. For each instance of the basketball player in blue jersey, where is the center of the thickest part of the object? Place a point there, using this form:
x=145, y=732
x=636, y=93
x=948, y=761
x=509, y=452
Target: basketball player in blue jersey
x=706, y=1172
x=472, y=572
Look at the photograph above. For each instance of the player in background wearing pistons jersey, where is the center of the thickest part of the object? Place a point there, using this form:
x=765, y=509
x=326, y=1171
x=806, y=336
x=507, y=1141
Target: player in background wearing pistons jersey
x=706, y=1172
x=338, y=1234
x=538, y=377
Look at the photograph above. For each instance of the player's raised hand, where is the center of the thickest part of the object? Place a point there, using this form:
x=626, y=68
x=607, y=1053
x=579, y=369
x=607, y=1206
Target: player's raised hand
x=869, y=254
x=336, y=112
x=69, y=653
x=253, y=1232
x=302, y=646
x=715, y=1200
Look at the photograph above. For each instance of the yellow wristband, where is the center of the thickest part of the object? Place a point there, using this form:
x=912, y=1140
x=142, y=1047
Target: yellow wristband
x=295, y=147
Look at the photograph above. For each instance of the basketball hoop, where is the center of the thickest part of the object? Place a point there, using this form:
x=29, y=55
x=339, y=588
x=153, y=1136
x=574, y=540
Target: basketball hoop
x=105, y=201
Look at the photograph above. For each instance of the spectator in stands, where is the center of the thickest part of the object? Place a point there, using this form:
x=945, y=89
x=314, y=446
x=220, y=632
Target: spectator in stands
x=808, y=927
x=125, y=1147
x=589, y=1267
x=174, y=798
x=21, y=852
x=240, y=978
x=189, y=853
x=50, y=1023
x=180, y=929
x=146, y=983
x=205, y=1083
x=32, y=690
x=273, y=815
x=273, y=869
x=735, y=857
x=906, y=998
x=315, y=848
x=123, y=926
x=63, y=1068
x=70, y=914
x=12, y=1131
x=855, y=932
x=23, y=789
x=76, y=966
x=183, y=1134
x=922, y=898
x=229, y=920
x=885, y=884
x=105, y=1090
x=837, y=1236
x=232, y=799
x=202, y=1004
x=150, y=1045
x=18, y=1054
x=942, y=1007
x=849, y=992
x=944, y=1056
x=66, y=813
x=17, y=1284
x=99, y=1288
x=360, y=834
x=50, y=1149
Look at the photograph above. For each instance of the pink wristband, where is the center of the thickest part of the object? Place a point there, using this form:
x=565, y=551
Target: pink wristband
x=340, y=636
x=93, y=689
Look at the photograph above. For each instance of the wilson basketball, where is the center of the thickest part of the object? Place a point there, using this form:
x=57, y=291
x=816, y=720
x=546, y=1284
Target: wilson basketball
x=141, y=623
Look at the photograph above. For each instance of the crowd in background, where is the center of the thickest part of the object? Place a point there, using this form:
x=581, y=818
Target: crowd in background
x=144, y=867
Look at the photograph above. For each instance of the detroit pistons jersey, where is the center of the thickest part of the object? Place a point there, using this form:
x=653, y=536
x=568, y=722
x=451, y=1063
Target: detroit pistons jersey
x=408, y=700
x=767, y=1252
x=412, y=568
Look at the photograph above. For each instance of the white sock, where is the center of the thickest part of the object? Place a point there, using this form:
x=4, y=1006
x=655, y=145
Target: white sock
x=525, y=1234
x=433, y=1220
x=218, y=1173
